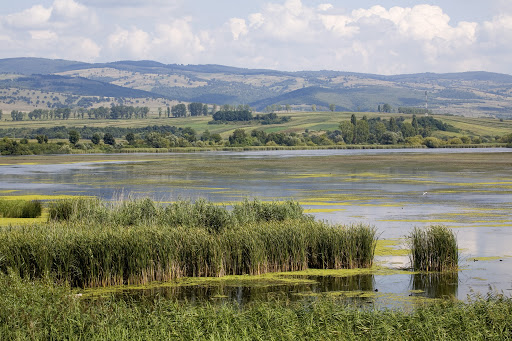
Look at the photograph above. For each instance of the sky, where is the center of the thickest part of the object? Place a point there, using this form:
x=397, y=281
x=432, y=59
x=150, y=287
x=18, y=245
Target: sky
x=382, y=37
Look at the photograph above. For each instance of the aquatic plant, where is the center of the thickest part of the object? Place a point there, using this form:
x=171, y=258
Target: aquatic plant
x=106, y=251
x=20, y=208
x=200, y=213
x=433, y=249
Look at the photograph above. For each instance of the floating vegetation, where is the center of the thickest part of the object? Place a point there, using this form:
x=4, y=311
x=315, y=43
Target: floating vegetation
x=433, y=249
x=390, y=247
x=488, y=259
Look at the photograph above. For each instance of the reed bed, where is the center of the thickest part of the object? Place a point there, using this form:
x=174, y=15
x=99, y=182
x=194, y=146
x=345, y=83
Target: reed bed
x=434, y=249
x=99, y=255
x=41, y=311
x=87, y=243
x=20, y=208
x=200, y=213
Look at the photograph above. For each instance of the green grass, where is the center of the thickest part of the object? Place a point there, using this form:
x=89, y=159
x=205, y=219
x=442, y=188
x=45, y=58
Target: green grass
x=91, y=243
x=35, y=310
x=434, y=249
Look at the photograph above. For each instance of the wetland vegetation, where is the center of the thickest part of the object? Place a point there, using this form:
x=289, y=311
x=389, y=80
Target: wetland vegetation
x=42, y=295
x=93, y=243
x=40, y=310
x=434, y=249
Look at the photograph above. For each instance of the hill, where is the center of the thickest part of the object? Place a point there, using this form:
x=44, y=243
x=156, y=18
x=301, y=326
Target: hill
x=467, y=94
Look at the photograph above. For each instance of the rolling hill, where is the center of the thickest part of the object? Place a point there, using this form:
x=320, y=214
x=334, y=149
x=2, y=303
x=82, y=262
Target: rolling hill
x=467, y=94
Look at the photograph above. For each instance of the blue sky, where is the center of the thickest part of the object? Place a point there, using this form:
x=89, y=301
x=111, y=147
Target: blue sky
x=385, y=37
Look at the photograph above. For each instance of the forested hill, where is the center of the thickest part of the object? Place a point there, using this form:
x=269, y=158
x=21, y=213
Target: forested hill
x=469, y=93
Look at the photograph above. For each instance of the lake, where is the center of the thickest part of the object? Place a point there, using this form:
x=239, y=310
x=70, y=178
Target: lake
x=469, y=190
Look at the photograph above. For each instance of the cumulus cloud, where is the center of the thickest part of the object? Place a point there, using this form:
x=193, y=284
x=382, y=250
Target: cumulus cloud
x=375, y=39
x=134, y=43
x=175, y=41
x=238, y=27
x=34, y=17
x=284, y=34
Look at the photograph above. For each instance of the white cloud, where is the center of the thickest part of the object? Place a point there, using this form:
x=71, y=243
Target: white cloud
x=69, y=9
x=285, y=34
x=132, y=43
x=238, y=27
x=43, y=35
x=34, y=17
x=324, y=7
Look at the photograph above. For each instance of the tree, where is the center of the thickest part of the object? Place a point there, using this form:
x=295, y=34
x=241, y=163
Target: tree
x=168, y=112
x=17, y=115
x=130, y=138
x=95, y=139
x=379, y=130
x=159, y=112
x=353, y=121
x=347, y=131
x=74, y=137
x=195, y=109
x=362, y=131
x=408, y=130
x=189, y=134
x=42, y=139
x=108, y=138
x=415, y=124
x=332, y=107
x=313, y=107
x=386, y=107
x=239, y=138
x=288, y=108
x=216, y=137
x=179, y=110
x=1, y=114
x=392, y=125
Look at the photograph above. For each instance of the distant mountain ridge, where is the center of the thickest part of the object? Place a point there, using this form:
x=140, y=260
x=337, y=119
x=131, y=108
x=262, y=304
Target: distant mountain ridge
x=468, y=93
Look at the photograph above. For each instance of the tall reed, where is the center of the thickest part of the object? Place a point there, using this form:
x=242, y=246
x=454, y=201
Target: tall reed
x=200, y=213
x=86, y=255
x=20, y=208
x=433, y=249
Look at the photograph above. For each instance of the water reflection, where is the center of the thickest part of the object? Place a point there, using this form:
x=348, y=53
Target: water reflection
x=435, y=285
x=243, y=294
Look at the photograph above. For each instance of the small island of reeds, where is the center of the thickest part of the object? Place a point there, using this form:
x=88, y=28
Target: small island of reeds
x=91, y=242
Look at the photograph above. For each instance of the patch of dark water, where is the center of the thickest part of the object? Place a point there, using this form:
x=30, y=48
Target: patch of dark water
x=360, y=290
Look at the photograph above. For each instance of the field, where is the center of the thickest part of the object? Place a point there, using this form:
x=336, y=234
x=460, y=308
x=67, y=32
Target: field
x=300, y=121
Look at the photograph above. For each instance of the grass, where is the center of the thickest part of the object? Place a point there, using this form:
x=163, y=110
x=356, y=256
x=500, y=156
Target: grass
x=39, y=310
x=90, y=243
x=20, y=208
x=434, y=249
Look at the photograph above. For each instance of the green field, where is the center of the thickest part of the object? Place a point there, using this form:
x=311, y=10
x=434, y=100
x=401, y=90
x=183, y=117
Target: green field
x=300, y=121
